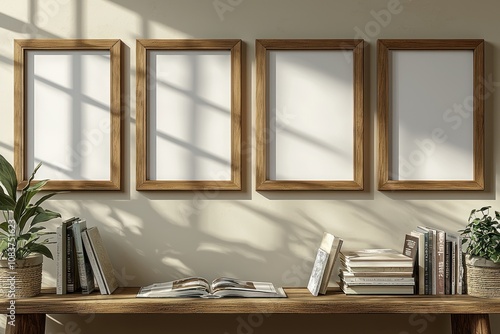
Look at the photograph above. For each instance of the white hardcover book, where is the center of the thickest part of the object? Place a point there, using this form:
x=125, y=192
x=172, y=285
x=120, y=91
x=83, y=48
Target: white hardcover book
x=350, y=279
x=378, y=283
x=60, y=261
x=319, y=266
x=377, y=290
x=376, y=274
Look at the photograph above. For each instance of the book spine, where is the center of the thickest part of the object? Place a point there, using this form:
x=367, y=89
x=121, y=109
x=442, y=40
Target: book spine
x=80, y=259
x=377, y=283
x=62, y=255
x=433, y=262
x=378, y=269
x=60, y=284
x=427, y=270
x=70, y=279
x=453, y=266
x=421, y=264
x=440, y=262
x=379, y=280
x=332, y=258
x=90, y=275
x=447, y=269
x=460, y=266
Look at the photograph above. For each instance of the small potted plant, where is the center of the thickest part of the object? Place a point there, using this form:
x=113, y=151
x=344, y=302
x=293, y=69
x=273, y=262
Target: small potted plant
x=482, y=235
x=23, y=238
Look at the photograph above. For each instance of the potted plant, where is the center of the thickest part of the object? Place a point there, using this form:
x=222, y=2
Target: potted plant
x=482, y=235
x=23, y=238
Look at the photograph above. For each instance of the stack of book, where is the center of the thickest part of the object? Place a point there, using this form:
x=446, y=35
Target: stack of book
x=82, y=259
x=440, y=261
x=377, y=271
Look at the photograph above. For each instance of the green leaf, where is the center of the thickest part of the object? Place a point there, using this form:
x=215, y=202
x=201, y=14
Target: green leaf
x=20, y=207
x=37, y=187
x=3, y=245
x=28, y=184
x=8, y=178
x=29, y=237
x=44, y=216
x=6, y=203
x=4, y=227
x=30, y=212
x=42, y=249
x=47, y=233
x=29, y=194
x=36, y=229
x=44, y=198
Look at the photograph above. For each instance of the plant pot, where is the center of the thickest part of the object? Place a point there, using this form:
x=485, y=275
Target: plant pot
x=21, y=278
x=483, y=277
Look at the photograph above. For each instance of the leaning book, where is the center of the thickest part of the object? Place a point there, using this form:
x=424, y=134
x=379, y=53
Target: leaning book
x=323, y=264
x=99, y=260
x=220, y=287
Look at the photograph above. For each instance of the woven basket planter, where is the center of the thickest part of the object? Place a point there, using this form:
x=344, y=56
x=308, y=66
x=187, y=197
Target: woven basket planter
x=483, y=277
x=25, y=280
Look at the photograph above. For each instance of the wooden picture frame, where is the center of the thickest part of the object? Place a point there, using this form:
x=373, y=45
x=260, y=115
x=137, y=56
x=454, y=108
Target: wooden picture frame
x=189, y=110
x=427, y=92
x=309, y=100
x=68, y=112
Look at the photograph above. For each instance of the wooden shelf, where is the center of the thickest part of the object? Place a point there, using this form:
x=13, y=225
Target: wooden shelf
x=467, y=309
x=299, y=301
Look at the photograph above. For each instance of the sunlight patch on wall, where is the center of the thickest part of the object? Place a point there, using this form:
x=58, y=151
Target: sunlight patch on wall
x=160, y=29
x=126, y=222
x=178, y=265
x=255, y=233
x=208, y=247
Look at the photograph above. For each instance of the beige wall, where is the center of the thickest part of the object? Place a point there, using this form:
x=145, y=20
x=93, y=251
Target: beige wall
x=266, y=236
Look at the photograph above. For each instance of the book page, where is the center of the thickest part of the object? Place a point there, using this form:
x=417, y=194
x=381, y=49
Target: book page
x=190, y=283
x=232, y=283
x=191, y=286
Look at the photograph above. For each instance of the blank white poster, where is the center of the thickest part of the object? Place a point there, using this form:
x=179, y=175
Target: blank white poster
x=68, y=114
x=432, y=115
x=189, y=108
x=311, y=115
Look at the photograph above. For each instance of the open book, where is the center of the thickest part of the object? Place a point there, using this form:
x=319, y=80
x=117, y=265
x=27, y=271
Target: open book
x=220, y=287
